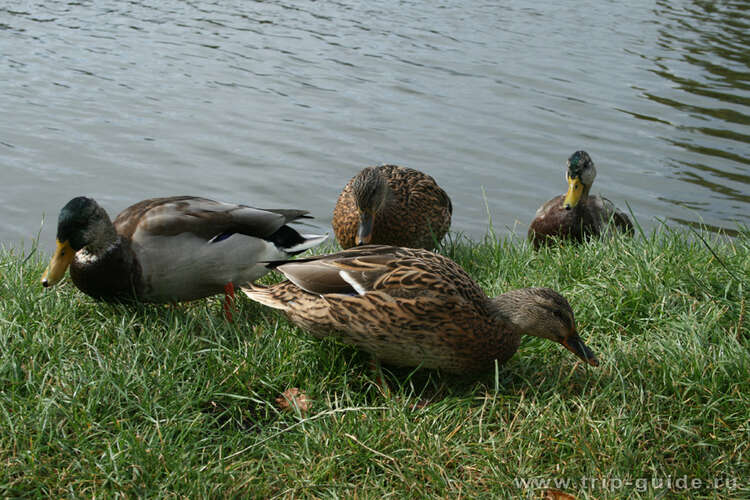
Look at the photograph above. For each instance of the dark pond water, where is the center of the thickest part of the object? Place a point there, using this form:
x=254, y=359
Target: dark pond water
x=279, y=103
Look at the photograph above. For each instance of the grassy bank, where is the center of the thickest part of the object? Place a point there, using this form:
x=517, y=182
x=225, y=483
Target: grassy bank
x=100, y=399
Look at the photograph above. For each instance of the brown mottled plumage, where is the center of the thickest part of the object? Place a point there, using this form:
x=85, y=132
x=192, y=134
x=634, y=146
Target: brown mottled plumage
x=576, y=215
x=169, y=249
x=392, y=205
x=411, y=307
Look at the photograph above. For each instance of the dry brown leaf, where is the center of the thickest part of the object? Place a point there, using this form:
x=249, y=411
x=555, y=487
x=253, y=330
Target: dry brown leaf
x=557, y=495
x=294, y=398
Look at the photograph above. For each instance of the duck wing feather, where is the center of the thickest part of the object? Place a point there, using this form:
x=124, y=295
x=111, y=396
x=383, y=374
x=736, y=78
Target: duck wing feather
x=200, y=216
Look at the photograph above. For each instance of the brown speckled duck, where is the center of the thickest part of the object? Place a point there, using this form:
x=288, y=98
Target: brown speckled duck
x=411, y=307
x=392, y=205
x=576, y=215
x=169, y=249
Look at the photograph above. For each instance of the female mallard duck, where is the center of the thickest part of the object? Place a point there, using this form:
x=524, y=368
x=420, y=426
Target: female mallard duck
x=576, y=215
x=392, y=205
x=411, y=307
x=169, y=249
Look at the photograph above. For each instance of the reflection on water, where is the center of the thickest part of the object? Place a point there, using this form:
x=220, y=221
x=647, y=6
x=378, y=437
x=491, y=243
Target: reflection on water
x=703, y=225
x=279, y=103
x=703, y=53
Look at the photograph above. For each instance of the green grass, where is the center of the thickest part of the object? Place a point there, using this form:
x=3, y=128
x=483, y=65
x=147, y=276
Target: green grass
x=99, y=400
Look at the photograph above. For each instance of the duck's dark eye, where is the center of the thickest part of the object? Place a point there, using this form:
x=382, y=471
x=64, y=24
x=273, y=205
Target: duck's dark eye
x=564, y=318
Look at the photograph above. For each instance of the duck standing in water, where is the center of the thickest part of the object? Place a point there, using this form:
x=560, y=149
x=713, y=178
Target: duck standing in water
x=411, y=307
x=392, y=205
x=576, y=215
x=170, y=249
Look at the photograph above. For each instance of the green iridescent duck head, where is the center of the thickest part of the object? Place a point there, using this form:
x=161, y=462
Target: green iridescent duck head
x=580, y=175
x=82, y=224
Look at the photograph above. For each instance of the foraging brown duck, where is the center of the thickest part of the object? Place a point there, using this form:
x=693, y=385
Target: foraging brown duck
x=411, y=307
x=576, y=215
x=169, y=249
x=392, y=205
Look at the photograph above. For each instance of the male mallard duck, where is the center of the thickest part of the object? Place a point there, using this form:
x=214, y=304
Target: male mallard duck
x=576, y=215
x=169, y=249
x=392, y=205
x=411, y=307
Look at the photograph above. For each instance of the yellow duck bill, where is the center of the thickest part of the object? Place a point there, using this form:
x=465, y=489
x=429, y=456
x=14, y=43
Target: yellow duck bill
x=573, y=196
x=59, y=263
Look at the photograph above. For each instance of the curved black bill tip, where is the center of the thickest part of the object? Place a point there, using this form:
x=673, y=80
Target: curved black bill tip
x=575, y=345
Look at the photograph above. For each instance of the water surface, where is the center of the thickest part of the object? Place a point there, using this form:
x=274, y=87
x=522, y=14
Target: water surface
x=279, y=103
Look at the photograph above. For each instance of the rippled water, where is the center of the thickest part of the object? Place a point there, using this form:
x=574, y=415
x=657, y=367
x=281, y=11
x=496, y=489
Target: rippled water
x=279, y=103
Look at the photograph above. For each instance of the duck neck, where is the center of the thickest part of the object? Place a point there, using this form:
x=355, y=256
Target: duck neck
x=97, y=236
x=387, y=203
x=106, y=238
x=505, y=313
x=112, y=273
x=509, y=309
x=585, y=193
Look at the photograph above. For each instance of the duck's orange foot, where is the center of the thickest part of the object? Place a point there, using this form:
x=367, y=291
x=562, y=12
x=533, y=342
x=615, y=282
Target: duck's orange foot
x=380, y=381
x=228, y=301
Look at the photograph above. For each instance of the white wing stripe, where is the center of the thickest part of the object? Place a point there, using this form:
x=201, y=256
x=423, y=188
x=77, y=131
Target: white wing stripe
x=350, y=279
